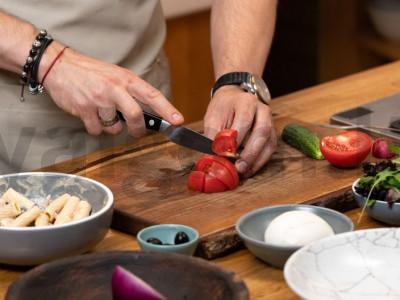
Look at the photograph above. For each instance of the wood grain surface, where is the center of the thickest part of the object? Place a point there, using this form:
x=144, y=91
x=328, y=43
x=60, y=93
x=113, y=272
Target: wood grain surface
x=311, y=105
x=151, y=187
x=148, y=178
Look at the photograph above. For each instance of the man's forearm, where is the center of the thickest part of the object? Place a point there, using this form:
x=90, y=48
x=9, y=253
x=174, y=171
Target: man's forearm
x=16, y=39
x=241, y=34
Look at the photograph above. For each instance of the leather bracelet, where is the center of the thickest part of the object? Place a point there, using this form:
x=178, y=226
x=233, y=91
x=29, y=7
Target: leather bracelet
x=38, y=47
x=34, y=85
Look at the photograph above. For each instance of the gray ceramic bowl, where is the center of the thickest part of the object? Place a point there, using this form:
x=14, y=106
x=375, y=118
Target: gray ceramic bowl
x=380, y=210
x=251, y=228
x=36, y=245
x=166, y=234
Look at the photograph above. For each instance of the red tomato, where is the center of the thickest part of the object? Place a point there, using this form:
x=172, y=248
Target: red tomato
x=220, y=168
x=347, y=149
x=230, y=167
x=213, y=174
x=225, y=143
x=213, y=185
x=196, y=181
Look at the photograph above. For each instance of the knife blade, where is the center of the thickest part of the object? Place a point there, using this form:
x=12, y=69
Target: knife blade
x=179, y=135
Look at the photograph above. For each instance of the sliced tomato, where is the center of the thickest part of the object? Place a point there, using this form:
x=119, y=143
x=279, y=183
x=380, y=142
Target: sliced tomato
x=225, y=143
x=213, y=185
x=220, y=168
x=219, y=175
x=347, y=149
x=196, y=181
x=230, y=167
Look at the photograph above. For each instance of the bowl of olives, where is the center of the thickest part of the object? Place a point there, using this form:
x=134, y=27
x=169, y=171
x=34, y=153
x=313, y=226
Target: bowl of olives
x=169, y=238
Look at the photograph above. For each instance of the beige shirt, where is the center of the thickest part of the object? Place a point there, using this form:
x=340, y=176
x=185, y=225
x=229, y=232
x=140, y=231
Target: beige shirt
x=130, y=33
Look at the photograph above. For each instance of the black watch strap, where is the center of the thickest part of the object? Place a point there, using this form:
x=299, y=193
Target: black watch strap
x=233, y=78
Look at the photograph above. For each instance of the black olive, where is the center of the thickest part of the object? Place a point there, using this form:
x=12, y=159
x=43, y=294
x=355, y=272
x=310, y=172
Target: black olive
x=369, y=169
x=382, y=194
x=154, y=241
x=181, y=238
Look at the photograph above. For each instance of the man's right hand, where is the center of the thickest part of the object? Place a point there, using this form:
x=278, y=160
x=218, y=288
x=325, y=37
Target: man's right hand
x=83, y=86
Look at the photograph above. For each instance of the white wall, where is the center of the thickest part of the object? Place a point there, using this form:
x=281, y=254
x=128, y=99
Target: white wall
x=176, y=8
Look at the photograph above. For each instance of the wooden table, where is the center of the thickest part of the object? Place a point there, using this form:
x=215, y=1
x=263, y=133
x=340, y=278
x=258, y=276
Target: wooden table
x=311, y=105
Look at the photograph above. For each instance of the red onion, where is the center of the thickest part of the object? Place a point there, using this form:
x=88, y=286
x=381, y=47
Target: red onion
x=126, y=286
x=380, y=149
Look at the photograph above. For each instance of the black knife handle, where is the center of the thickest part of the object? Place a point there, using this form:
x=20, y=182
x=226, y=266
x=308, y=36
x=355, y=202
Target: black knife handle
x=151, y=121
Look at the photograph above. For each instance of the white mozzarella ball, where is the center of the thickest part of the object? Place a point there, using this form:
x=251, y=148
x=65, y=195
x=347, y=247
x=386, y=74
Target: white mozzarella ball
x=297, y=228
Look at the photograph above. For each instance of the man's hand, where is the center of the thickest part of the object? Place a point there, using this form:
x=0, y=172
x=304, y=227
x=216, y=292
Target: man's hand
x=231, y=107
x=83, y=87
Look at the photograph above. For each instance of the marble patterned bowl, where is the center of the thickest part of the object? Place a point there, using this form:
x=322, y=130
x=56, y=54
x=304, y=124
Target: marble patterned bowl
x=362, y=265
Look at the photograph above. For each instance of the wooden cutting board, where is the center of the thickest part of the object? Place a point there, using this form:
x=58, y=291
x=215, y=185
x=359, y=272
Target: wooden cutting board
x=149, y=179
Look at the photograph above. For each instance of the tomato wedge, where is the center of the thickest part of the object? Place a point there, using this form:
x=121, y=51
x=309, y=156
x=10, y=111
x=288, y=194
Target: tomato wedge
x=196, y=181
x=220, y=168
x=213, y=174
x=346, y=150
x=225, y=143
x=213, y=185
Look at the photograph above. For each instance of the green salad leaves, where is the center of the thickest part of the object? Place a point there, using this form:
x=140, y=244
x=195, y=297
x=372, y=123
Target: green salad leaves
x=385, y=179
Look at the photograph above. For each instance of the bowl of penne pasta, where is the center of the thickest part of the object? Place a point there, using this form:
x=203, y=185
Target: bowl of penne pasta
x=46, y=216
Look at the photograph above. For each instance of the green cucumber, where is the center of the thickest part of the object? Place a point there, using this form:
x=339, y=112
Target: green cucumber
x=303, y=140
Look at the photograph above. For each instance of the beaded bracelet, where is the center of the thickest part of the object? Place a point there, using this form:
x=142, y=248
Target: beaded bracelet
x=31, y=66
x=34, y=86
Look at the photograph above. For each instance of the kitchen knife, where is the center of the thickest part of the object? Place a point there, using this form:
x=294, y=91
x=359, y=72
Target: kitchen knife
x=177, y=134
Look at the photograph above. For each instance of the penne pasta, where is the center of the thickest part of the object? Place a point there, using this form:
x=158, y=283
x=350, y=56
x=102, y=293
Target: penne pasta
x=18, y=211
x=42, y=220
x=26, y=218
x=9, y=210
x=13, y=196
x=6, y=222
x=82, y=210
x=66, y=214
x=54, y=208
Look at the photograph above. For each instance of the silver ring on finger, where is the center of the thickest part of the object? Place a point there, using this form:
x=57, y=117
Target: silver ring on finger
x=108, y=122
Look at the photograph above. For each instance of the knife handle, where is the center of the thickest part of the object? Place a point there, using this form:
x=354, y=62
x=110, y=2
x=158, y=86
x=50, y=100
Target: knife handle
x=151, y=121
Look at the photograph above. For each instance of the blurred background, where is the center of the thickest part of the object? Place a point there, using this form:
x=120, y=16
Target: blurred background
x=315, y=41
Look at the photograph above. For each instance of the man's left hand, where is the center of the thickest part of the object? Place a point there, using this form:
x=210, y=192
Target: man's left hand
x=231, y=107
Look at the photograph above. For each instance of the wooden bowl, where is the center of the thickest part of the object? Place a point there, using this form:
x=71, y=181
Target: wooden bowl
x=89, y=277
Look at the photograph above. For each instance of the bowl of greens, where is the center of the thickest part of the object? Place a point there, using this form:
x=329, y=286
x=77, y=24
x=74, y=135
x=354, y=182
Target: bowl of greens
x=377, y=192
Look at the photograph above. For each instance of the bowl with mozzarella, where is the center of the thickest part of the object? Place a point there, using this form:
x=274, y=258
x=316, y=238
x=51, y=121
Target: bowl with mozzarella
x=46, y=216
x=274, y=233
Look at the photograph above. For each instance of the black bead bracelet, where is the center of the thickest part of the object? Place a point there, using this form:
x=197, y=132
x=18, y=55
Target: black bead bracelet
x=31, y=67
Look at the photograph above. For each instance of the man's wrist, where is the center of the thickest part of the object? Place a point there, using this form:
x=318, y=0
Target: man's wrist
x=248, y=82
x=229, y=89
x=49, y=55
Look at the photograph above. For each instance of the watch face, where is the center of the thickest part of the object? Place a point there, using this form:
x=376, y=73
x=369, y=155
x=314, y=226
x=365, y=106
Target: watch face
x=261, y=89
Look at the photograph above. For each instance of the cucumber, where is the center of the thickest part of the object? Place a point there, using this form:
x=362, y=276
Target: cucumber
x=303, y=140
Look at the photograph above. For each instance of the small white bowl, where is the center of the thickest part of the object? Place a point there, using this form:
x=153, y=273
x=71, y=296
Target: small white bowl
x=36, y=245
x=362, y=265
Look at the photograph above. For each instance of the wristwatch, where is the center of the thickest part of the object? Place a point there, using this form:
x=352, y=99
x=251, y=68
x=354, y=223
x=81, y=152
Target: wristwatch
x=248, y=82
